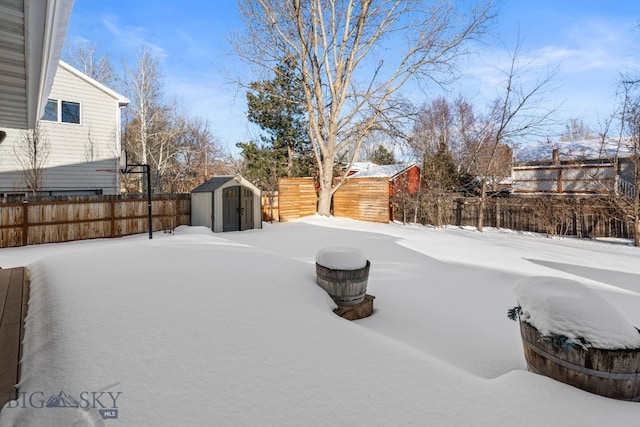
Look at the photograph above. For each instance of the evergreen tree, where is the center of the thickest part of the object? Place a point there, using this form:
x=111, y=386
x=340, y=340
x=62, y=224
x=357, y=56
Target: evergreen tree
x=382, y=156
x=283, y=148
x=439, y=170
x=262, y=166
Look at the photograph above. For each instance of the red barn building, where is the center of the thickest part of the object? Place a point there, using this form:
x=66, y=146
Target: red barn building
x=404, y=179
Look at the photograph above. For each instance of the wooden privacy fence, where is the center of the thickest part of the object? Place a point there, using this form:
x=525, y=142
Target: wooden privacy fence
x=363, y=199
x=296, y=198
x=52, y=220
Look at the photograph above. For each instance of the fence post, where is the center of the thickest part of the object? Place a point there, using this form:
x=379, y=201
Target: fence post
x=25, y=223
x=178, y=211
x=112, y=212
x=458, y=212
x=580, y=220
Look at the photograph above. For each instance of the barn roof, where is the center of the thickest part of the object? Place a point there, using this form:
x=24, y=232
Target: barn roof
x=383, y=171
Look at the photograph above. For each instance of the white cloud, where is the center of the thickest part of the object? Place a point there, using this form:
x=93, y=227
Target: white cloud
x=132, y=38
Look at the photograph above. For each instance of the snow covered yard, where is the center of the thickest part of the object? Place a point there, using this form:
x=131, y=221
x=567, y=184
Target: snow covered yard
x=231, y=329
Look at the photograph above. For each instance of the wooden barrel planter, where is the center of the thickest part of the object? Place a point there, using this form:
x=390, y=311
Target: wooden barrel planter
x=610, y=373
x=346, y=287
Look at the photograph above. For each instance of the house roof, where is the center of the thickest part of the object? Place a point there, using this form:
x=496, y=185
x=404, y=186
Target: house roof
x=383, y=171
x=122, y=100
x=32, y=33
x=218, y=181
x=589, y=149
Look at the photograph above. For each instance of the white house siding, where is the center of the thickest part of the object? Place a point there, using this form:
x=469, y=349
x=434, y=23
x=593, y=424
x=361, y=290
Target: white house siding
x=566, y=179
x=82, y=157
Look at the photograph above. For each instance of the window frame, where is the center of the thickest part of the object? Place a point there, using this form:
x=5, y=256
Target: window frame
x=59, y=111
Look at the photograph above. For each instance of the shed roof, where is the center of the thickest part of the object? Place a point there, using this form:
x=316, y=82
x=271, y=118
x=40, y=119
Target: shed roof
x=213, y=184
x=218, y=181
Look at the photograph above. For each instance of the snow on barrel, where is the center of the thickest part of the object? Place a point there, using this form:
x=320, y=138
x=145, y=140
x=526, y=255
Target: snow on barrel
x=343, y=272
x=572, y=334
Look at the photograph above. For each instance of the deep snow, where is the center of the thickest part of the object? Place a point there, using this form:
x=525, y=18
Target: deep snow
x=230, y=329
x=557, y=306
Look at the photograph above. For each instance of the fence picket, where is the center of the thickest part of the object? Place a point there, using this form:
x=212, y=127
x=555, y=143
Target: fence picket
x=53, y=220
x=582, y=217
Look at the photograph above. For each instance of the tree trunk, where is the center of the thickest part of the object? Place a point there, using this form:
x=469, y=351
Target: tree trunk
x=326, y=183
x=290, y=156
x=324, y=202
x=483, y=202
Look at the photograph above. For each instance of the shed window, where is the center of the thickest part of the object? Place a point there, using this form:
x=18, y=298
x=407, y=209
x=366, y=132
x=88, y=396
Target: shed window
x=62, y=111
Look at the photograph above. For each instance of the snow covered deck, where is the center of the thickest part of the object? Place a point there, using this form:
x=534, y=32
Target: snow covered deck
x=14, y=295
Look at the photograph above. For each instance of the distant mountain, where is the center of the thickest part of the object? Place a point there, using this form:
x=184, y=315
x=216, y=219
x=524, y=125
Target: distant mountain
x=62, y=400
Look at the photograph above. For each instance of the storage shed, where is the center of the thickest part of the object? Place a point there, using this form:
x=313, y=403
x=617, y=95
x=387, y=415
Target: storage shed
x=226, y=203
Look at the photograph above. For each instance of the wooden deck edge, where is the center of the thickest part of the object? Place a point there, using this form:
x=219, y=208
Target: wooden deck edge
x=26, y=287
x=14, y=299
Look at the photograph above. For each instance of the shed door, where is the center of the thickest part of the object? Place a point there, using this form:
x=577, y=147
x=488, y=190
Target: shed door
x=246, y=209
x=231, y=209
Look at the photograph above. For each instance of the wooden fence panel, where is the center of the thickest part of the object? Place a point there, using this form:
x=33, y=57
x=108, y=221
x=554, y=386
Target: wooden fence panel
x=363, y=199
x=297, y=198
x=52, y=221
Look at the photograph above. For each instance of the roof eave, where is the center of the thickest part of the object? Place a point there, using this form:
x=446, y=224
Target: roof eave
x=45, y=30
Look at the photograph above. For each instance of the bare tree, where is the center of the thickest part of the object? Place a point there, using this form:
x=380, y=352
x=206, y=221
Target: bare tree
x=32, y=152
x=181, y=151
x=200, y=156
x=576, y=130
x=144, y=86
x=431, y=142
x=354, y=58
x=144, y=83
x=626, y=154
x=517, y=112
x=84, y=57
x=377, y=142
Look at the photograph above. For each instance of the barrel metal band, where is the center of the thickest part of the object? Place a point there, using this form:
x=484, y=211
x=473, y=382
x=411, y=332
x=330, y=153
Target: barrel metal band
x=582, y=369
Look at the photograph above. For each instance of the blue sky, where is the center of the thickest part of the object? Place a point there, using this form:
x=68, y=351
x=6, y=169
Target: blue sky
x=591, y=41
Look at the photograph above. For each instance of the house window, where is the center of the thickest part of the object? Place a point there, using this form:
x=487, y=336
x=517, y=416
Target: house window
x=62, y=111
x=70, y=112
x=51, y=111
